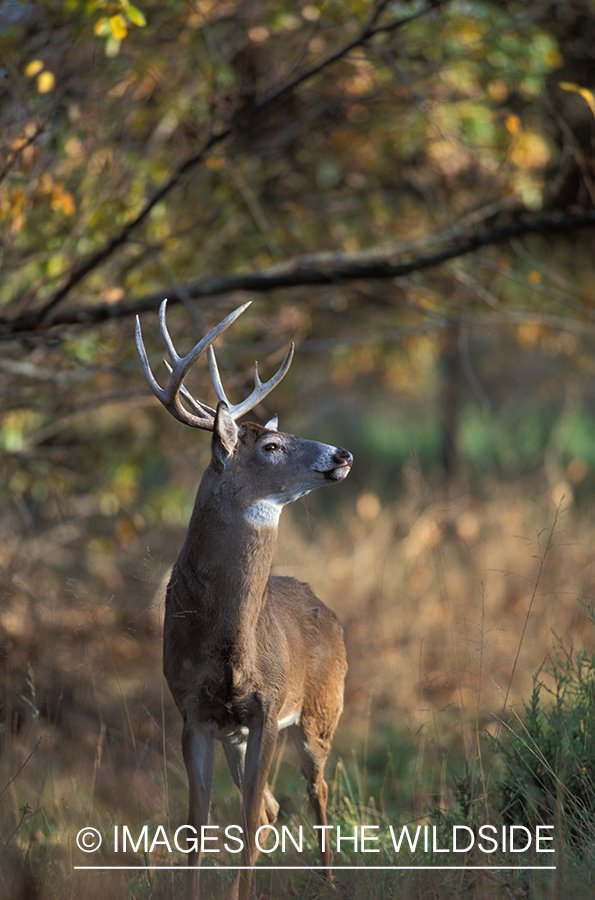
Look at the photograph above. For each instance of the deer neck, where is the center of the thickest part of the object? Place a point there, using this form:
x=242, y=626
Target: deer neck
x=224, y=565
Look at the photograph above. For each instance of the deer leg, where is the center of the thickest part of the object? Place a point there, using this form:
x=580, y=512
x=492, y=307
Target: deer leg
x=236, y=759
x=313, y=751
x=199, y=758
x=252, y=764
x=270, y=807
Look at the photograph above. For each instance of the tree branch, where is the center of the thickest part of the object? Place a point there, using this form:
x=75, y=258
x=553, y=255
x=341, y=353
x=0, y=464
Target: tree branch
x=86, y=266
x=318, y=270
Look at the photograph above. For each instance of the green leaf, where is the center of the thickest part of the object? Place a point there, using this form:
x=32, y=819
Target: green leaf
x=134, y=15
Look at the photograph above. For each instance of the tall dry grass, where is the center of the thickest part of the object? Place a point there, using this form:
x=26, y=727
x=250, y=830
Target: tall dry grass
x=449, y=606
x=435, y=594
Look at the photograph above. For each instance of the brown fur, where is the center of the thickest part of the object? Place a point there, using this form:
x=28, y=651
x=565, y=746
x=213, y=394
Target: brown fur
x=244, y=650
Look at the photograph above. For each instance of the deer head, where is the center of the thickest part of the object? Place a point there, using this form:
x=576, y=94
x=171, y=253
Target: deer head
x=271, y=468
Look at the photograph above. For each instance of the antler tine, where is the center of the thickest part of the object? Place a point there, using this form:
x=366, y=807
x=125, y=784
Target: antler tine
x=202, y=416
x=197, y=405
x=260, y=390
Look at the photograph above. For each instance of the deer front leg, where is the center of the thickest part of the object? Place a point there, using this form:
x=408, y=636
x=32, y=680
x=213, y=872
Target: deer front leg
x=259, y=807
x=199, y=758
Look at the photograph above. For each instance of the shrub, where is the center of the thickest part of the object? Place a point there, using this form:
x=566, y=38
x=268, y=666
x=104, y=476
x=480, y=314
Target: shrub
x=549, y=762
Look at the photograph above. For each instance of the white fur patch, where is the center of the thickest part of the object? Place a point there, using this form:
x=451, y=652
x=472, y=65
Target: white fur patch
x=268, y=510
x=264, y=512
x=289, y=720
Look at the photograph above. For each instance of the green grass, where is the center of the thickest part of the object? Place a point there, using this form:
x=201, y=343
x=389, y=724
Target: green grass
x=40, y=821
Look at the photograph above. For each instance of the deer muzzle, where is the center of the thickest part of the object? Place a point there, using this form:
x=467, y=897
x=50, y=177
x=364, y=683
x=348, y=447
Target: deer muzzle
x=343, y=461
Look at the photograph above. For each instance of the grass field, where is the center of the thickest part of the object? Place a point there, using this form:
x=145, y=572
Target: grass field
x=451, y=602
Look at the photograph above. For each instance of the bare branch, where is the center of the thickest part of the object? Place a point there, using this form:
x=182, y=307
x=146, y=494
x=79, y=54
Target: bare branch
x=92, y=262
x=21, y=147
x=371, y=30
x=319, y=270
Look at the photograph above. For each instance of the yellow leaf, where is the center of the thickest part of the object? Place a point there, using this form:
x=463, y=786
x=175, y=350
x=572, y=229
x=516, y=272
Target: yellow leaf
x=34, y=68
x=45, y=82
x=513, y=124
x=63, y=200
x=589, y=98
x=118, y=27
x=587, y=95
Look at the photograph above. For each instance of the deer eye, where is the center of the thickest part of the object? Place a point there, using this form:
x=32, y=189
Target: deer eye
x=271, y=446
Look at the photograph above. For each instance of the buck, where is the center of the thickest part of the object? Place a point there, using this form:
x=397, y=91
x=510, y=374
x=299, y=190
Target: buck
x=246, y=654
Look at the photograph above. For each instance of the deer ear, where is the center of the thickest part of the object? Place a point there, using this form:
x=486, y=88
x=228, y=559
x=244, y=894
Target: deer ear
x=225, y=437
x=272, y=424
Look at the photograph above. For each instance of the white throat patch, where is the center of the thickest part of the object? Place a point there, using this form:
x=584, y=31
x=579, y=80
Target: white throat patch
x=264, y=512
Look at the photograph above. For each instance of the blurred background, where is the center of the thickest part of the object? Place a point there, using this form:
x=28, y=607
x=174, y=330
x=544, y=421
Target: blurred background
x=406, y=191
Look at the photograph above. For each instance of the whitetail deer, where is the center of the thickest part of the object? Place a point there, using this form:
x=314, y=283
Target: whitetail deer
x=246, y=654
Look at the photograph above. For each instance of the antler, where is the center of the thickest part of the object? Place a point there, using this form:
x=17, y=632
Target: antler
x=201, y=415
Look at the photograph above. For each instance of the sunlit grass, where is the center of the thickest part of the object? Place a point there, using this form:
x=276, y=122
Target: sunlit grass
x=448, y=607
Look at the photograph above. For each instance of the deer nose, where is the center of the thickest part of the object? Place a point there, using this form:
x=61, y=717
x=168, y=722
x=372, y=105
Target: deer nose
x=342, y=457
